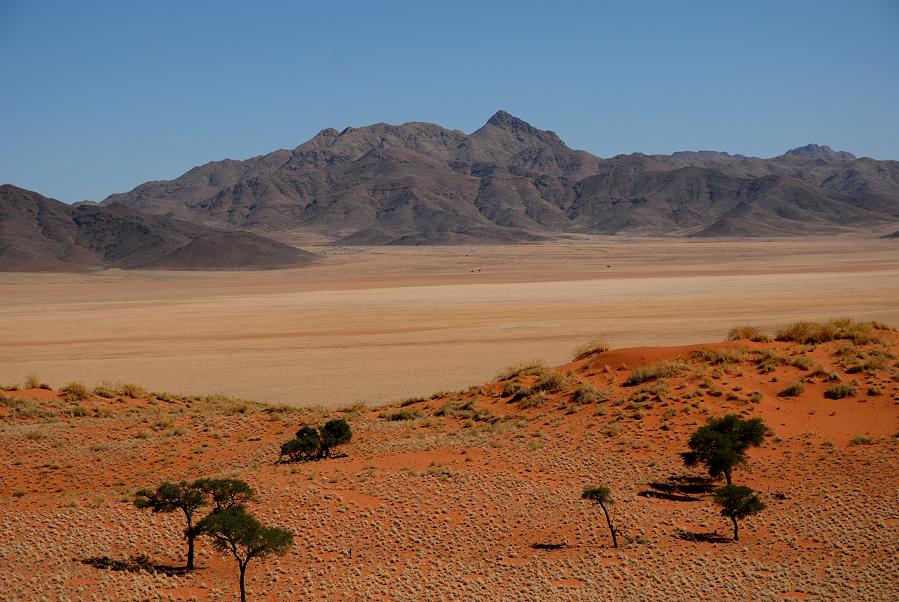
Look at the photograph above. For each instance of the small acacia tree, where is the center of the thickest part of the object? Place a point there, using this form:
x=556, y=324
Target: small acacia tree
x=312, y=443
x=721, y=444
x=190, y=497
x=602, y=496
x=170, y=497
x=737, y=502
x=236, y=532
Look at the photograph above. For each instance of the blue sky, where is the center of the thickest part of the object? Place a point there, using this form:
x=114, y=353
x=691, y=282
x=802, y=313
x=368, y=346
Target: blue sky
x=97, y=97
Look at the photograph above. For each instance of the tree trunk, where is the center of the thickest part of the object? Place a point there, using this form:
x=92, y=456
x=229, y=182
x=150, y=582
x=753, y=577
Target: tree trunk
x=727, y=476
x=736, y=528
x=191, y=535
x=243, y=591
x=609, y=522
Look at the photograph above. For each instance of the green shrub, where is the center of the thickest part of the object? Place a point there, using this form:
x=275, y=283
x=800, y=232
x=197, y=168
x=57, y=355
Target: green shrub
x=841, y=391
x=311, y=443
x=861, y=440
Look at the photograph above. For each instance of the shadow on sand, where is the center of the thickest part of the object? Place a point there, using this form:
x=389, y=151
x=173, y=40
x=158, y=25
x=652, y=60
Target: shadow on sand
x=134, y=564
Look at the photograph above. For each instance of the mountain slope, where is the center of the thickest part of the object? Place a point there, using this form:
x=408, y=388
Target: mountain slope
x=38, y=234
x=419, y=183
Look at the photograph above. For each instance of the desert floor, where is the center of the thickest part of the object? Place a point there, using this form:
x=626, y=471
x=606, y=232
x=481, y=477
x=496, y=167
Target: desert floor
x=475, y=494
x=376, y=324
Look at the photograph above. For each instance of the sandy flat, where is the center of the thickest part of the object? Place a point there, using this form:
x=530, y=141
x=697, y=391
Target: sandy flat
x=375, y=324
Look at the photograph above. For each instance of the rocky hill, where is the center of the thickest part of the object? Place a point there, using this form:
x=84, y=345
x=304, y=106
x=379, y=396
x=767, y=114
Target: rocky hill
x=38, y=234
x=419, y=183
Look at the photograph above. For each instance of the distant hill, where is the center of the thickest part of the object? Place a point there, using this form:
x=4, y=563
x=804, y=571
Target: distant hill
x=419, y=183
x=41, y=234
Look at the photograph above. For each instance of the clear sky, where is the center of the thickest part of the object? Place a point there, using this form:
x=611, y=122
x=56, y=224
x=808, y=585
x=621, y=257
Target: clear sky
x=97, y=97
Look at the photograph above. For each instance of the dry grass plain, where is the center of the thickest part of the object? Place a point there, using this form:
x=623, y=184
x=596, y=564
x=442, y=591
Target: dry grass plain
x=455, y=502
x=375, y=324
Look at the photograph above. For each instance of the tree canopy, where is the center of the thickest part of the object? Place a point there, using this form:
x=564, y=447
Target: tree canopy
x=721, y=444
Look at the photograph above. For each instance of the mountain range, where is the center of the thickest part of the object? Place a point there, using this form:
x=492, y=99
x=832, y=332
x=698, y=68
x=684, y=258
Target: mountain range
x=419, y=183
x=41, y=234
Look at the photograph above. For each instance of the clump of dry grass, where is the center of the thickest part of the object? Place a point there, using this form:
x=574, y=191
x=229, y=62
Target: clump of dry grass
x=32, y=382
x=661, y=369
x=746, y=332
x=595, y=346
x=465, y=410
x=76, y=391
x=724, y=355
x=840, y=391
x=813, y=333
x=794, y=389
x=587, y=393
x=519, y=370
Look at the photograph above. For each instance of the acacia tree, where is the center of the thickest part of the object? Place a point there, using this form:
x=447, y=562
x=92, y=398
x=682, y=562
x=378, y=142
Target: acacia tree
x=226, y=493
x=737, y=502
x=170, y=497
x=311, y=443
x=236, y=532
x=721, y=444
x=602, y=496
x=190, y=497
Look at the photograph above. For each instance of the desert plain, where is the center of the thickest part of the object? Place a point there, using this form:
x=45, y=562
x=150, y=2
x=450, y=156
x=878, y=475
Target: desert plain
x=375, y=324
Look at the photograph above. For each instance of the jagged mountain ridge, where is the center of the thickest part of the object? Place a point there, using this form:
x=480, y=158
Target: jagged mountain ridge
x=42, y=234
x=419, y=183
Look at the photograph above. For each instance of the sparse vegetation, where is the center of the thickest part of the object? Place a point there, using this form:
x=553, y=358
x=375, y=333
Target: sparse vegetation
x=586, y=393
x=840, y=391
x=813, y=333
x=595, y=346
x=520, y=370
x=794, y=389
x=748, y=333
x=76, y=391
x=662, y=369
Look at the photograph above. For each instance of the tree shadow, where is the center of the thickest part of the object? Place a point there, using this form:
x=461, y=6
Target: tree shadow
x=708, y=536
x=680, y=488
x=548, y=546
x=134, y=564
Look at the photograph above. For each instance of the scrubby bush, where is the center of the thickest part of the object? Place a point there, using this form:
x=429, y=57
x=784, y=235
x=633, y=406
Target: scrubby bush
x=721, y=444
x=596, y=346
x=587, y=393
x=794, y=389
x=722, y=355
x=311, y=443
x=405, y=414
x=813, y=333
x=32, y=382
x=465, y=410
x=76, y=392
x=747, y=332
x=841, y=391
x=662, y=369
x=519, y=370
